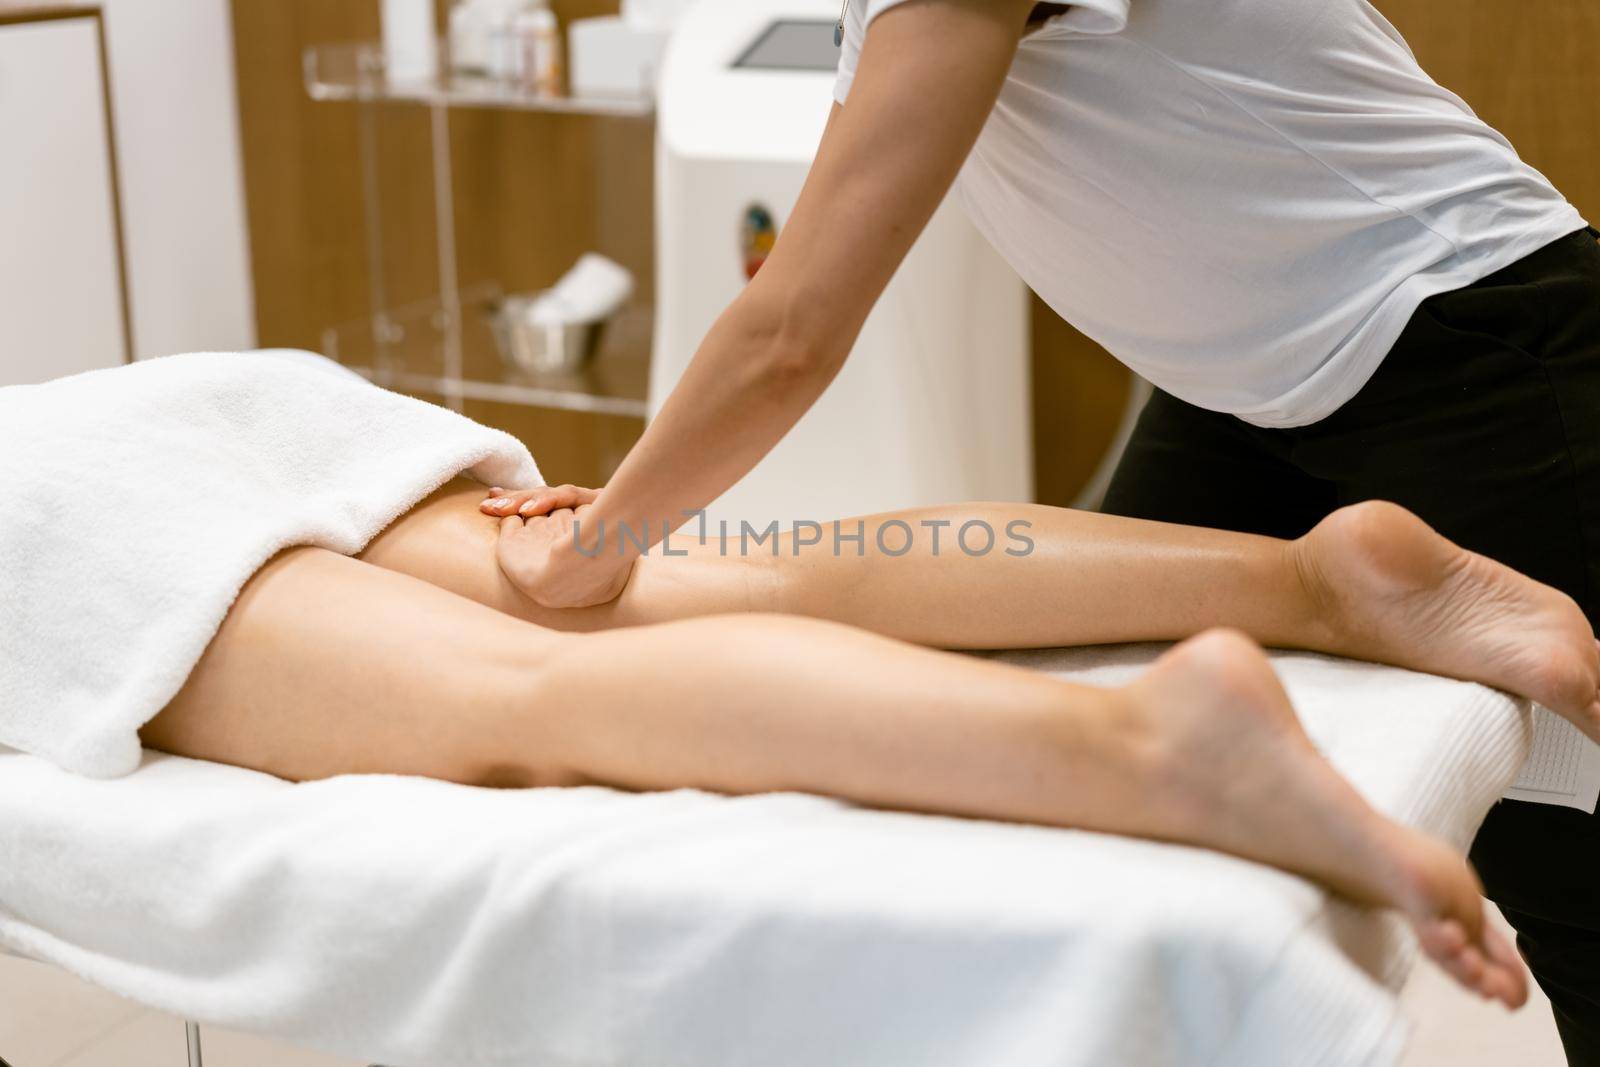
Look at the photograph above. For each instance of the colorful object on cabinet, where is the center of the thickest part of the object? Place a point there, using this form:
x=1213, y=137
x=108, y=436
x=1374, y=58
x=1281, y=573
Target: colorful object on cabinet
x=757, y=234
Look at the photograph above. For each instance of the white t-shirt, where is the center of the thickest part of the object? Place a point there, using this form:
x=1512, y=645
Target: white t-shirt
x=1243, y=200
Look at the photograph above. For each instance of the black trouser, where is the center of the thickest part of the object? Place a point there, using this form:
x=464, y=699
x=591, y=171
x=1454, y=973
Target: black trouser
x=1484, y=419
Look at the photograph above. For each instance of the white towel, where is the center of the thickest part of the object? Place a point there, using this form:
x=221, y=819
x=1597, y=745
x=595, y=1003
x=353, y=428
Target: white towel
x=593, y=290
x=136, y=502
x=398, y=920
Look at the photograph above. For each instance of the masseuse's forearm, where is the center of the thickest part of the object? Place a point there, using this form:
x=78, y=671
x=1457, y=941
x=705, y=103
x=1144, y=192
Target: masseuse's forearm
x=754, y=376
x=926, y=80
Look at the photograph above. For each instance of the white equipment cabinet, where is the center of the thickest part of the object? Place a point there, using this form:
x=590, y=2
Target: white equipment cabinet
x=62, y=298
x=933, y=405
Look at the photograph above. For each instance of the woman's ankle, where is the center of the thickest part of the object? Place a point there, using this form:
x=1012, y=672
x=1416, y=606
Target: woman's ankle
x=1322, y=623
x=1113, y=762
x=1356, y=563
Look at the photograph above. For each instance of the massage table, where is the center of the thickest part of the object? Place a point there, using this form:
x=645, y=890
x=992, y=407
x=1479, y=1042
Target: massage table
x=418, y=923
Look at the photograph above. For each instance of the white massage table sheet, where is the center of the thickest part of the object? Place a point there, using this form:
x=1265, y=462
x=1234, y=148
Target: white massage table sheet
x=415, y=923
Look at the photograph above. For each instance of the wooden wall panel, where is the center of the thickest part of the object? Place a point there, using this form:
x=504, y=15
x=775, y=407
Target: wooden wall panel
x=1079, y=394
x=1528, y=69
x=301, y=161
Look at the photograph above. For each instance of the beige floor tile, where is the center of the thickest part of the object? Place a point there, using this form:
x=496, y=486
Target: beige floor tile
x=50, y=1019
x=149, y=1039
x=224, y=1048
x=156, y=1040
x=1454, y=1029
x=47, y=1015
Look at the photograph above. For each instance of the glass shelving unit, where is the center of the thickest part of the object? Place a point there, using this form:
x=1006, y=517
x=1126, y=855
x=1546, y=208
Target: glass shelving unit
x=355, y=71
x=444, y=348
x=409, y=358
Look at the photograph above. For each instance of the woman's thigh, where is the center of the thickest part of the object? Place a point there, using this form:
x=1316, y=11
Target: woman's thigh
x=418, y=657
x=326, y=665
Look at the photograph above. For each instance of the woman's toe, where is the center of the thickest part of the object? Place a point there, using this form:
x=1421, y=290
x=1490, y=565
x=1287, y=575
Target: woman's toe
x=1513, y=974
x=1470, y=960
x=1443, y=938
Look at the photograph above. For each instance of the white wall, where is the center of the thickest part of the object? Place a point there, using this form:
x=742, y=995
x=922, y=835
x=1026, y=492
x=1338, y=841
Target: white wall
x=60, y=293
x=176, y=108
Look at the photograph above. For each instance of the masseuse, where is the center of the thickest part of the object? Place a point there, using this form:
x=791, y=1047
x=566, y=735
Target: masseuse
x=1343, y=284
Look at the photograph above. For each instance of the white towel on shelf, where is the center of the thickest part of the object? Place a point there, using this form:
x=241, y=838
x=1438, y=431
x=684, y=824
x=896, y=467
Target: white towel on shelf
x=398, y=920
x=594, y=289
x=136, y=502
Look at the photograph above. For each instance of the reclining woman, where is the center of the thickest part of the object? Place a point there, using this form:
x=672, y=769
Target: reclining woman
x=754, y=672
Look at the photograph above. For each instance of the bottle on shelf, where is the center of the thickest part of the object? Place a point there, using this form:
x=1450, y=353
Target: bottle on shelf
x=537, y=37
x=479, y=37
x=469, y=40
x=410, y=51
x=513, y=42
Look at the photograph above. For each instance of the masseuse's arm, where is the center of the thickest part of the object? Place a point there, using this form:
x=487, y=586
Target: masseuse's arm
x=927, y=77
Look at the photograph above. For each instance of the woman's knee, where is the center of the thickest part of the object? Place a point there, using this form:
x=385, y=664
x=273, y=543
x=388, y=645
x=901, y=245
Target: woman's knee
x=514, y=717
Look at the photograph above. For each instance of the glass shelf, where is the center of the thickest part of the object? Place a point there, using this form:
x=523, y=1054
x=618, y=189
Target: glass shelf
x=405, y=350
x=355, y=71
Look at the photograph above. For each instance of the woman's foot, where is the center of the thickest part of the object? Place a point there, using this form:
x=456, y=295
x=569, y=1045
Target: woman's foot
x=1395, y=591
x=1238, y=774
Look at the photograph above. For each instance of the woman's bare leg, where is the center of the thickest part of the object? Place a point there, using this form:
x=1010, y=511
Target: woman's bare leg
x=328, y=665
x=1370, y=582
x=1091, y=579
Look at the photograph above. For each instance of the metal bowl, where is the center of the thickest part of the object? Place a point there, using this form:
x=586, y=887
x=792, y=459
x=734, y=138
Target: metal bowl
x=538, y=348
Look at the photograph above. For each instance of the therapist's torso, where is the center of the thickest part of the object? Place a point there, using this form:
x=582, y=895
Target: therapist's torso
x=1243, y=200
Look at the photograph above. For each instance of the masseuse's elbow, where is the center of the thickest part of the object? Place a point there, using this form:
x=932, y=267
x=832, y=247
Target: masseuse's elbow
x=789, y=364
x=790, y=348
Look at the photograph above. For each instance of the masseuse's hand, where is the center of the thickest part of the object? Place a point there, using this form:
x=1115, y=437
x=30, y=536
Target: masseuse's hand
x=540, y=501
x=540, y=556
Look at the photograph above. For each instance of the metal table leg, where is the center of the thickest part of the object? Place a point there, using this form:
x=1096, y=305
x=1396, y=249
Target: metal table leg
x=192, y=1032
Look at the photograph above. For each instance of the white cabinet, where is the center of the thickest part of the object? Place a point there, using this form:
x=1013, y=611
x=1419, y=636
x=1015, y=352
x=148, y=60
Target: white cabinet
x=62, y=294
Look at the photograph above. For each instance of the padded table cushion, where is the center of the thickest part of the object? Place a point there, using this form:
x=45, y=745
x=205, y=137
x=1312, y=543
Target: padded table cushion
x=408, y=921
